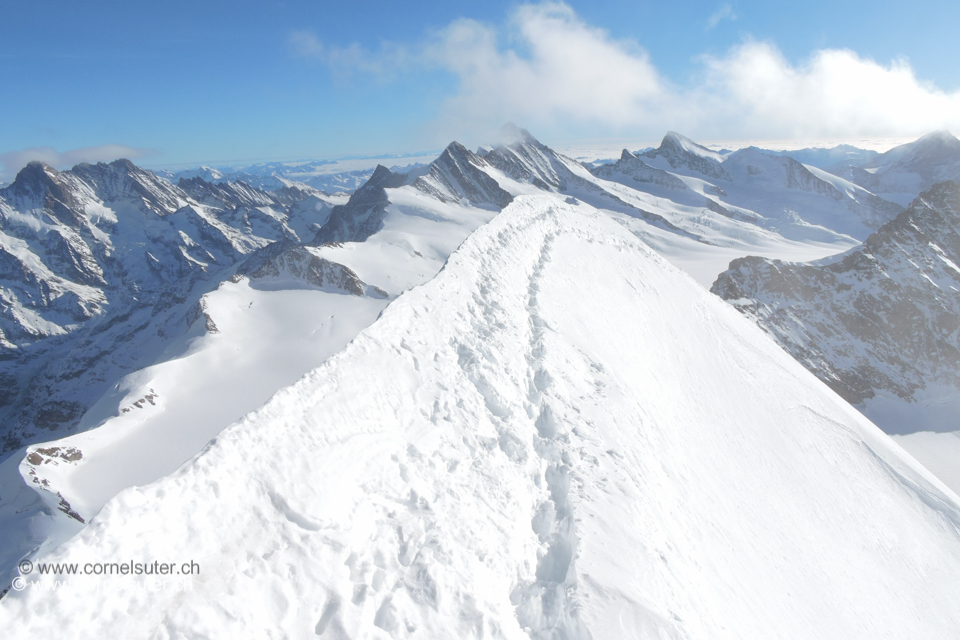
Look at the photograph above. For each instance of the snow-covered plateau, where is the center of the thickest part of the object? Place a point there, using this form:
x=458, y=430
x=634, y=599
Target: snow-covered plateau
x=490, y=396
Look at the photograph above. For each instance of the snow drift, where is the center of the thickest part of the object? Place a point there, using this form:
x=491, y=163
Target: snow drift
x=559, y=436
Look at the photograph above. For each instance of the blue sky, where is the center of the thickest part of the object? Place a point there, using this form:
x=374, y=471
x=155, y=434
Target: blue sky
x=219, y=82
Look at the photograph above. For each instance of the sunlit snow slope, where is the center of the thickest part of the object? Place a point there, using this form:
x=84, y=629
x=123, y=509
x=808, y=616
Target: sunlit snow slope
x=559, y=436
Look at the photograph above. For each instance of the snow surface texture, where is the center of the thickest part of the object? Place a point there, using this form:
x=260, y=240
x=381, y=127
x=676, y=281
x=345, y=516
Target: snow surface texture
x=559, y=436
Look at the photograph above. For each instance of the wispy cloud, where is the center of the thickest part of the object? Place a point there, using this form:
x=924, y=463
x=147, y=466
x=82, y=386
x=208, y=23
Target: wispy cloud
x=12, y=161
x=305, y=44
x=725, y=12
x=384, y=64
x=545, y=66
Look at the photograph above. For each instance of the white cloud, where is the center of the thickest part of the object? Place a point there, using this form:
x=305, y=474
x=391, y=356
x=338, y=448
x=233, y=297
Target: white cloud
x=305, y=44
x=383, y=64
x=12, y=161
x=836, y=93
x=567, y=71
x=725, y=12
x=547, y=69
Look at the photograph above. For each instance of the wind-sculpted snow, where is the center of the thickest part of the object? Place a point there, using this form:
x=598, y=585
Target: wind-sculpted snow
x=881, y=324
x=559, y=436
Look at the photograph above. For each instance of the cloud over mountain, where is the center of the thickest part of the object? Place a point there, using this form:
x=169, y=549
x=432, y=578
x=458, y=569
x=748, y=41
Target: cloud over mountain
x=12, y=161
x=547, y=65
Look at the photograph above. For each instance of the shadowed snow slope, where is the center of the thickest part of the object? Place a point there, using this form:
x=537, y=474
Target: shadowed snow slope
x=559, y=436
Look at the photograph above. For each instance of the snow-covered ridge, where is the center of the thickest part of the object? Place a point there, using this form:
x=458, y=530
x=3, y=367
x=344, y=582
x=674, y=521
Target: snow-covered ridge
x=101, y=253
x=325, y=264
x=539, y=442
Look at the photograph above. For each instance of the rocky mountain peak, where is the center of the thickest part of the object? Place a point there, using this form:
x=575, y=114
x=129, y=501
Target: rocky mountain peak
x=34, y=179
x=39, y=186
x=123, y=180
x=679, y=152
x=458, y=175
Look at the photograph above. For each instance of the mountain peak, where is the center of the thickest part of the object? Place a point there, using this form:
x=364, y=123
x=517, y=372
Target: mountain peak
x=680, y=151
x=674, y=137
x=380, y=173
x=456, y=149
x=124, y=164
x=37, y=179
x=35, y=172
x=512, y=134
x=680, y=142
x=939, y=135
x=626, y=155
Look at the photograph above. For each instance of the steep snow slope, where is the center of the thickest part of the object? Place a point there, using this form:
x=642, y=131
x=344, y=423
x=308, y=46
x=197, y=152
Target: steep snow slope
x=540, y=442
x=264, y=338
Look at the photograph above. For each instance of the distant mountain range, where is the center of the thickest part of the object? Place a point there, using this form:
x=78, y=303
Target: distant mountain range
x=141, y=315
x=102, y=263
x=316, y=174
x=475, y=399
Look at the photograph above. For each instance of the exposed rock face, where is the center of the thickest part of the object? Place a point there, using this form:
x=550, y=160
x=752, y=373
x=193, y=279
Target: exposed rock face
x=457, y=176
x=363, y=214
x=289, y=261
x=682, y=153
x=882, y=319
x=640, y=172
